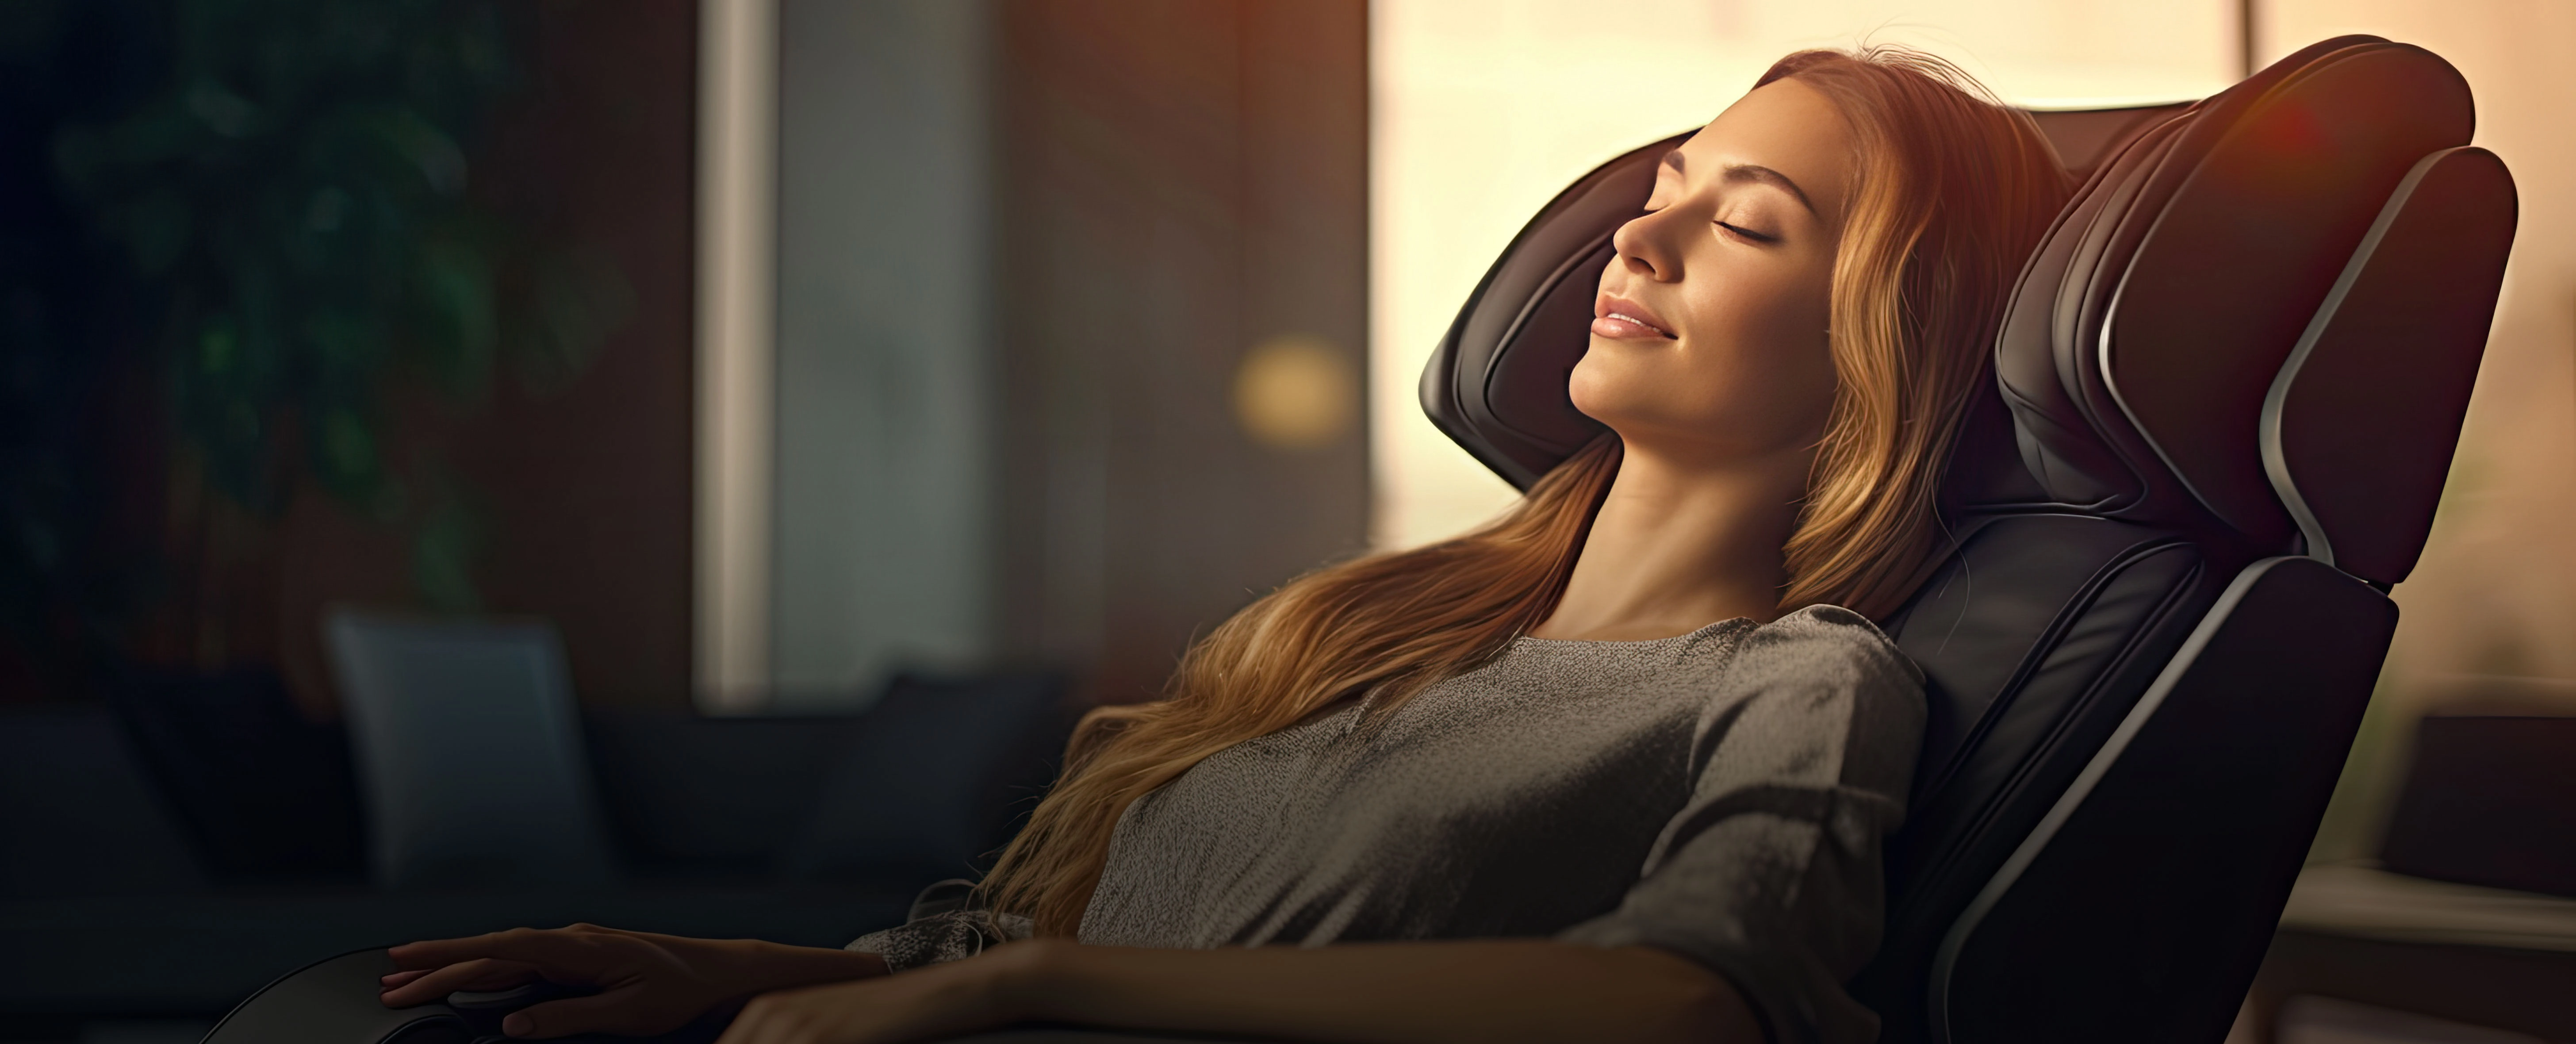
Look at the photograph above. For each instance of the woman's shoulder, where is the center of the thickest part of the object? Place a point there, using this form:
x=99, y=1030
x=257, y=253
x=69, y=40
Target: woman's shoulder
x=1825, y=644
x=1826, y=622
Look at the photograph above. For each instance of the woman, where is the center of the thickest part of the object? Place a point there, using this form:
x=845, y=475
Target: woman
x=1616, y=767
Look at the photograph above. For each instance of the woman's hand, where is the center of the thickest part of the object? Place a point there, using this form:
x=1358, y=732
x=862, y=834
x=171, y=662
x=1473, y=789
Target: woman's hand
x=647, y=983
x=932, y=1003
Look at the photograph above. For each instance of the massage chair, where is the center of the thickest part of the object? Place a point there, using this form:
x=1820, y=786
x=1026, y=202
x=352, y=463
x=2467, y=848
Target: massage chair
x=2222, y=407
x=2224, y=400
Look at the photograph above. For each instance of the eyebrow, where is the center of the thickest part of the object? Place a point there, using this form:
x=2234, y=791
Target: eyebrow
x=1752, y=173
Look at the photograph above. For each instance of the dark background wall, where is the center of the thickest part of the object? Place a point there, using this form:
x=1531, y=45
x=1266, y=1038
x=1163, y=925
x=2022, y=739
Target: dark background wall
x=1164, y=187
x=1180, y=181
x=1040, y=411
x=587, y=488
x=582, y=487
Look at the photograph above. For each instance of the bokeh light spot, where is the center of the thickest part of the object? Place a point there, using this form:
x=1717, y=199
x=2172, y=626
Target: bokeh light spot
x=1296, y=391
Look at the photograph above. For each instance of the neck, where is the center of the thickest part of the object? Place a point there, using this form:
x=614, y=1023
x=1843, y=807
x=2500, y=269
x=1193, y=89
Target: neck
x=1679, y=545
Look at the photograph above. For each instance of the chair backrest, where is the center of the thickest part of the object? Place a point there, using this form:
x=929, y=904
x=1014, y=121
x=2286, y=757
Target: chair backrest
x=2226, y=396
x=469, y=752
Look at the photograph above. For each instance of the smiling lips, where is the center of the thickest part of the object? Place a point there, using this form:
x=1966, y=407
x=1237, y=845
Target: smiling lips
x=1622, y=318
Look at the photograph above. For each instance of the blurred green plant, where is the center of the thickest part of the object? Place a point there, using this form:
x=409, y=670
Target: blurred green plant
x=295, y=199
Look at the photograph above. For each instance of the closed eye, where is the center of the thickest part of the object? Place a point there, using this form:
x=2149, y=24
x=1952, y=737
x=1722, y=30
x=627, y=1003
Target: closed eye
x=1747, y=233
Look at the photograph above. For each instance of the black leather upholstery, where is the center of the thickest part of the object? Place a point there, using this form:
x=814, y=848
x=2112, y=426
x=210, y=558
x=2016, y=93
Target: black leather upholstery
x=2149, y=328
x=2358, y=431
x=2139, y=906
x=2237, y=362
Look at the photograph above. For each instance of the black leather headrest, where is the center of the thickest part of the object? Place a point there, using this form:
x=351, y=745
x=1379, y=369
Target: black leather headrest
x=2146, y=365
x=2358, y=429
x=1496, y=385
x=2150, y=325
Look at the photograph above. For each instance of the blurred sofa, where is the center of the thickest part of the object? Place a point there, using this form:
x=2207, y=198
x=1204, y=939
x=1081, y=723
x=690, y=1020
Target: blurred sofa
x=160, y=864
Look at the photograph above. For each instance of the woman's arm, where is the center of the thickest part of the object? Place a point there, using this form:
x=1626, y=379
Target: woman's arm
x=1482, y=991
x=648, y=983
x=1486, y=990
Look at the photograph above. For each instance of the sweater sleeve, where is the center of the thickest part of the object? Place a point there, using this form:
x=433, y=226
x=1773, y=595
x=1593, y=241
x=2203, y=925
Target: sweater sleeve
x=1770, y=874
x=941, y=927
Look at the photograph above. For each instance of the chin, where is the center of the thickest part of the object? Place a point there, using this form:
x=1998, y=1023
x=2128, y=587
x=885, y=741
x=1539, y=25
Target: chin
x=1604, y=388
x=1585, y=386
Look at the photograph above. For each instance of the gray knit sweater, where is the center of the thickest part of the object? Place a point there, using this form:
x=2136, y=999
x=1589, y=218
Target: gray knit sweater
x=1721, y=795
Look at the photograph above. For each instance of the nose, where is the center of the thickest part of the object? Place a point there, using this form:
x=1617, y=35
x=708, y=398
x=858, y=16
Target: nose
x=1645, y=246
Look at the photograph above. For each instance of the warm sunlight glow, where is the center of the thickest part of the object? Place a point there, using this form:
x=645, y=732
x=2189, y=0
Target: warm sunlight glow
x=1484, y=110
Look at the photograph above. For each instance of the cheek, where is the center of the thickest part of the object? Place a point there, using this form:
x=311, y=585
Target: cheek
x=1752, y=374
x=1766, y=361
x=1800, y=373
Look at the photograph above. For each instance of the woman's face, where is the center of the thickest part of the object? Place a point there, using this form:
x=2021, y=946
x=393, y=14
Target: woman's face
x=1708, y=337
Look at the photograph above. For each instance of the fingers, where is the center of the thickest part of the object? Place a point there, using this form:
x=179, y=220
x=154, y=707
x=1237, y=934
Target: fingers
x=439, y=953
x=432, y=984
x=399, y=978
x=506, y=976
x=545, y=947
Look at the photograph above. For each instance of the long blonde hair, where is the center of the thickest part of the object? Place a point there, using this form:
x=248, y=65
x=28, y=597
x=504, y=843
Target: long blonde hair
x=1950, y=193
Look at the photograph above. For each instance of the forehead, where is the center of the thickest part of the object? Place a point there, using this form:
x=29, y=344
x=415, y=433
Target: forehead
x=1785, y=126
